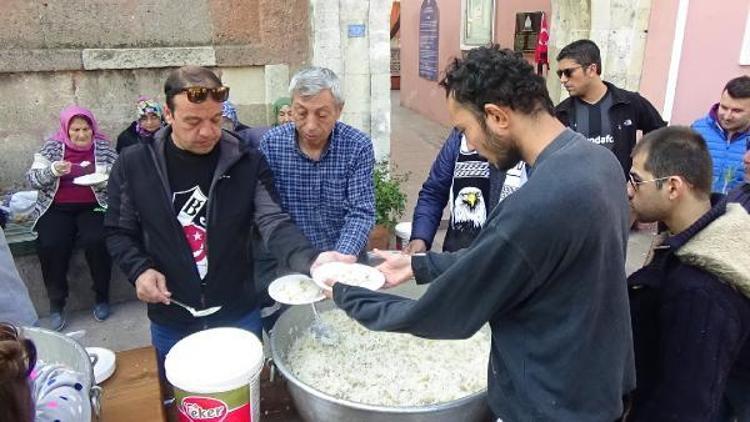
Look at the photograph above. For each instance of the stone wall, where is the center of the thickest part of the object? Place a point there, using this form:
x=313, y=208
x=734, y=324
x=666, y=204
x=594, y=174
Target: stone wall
x=103, y=54
x=362, y=62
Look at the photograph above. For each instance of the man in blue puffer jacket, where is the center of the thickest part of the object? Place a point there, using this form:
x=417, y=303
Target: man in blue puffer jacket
x=726, y=129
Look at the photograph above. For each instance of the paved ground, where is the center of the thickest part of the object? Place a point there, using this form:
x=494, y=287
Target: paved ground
x=415, y=142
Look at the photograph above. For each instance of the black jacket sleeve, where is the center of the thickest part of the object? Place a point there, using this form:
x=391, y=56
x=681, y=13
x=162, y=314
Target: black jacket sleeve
x=281, y=237
x=563, y=111
x=435, y=191
x=648, y=117
x=122, y=228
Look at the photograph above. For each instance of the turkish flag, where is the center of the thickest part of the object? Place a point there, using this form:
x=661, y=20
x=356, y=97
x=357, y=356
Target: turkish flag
x=540, y=52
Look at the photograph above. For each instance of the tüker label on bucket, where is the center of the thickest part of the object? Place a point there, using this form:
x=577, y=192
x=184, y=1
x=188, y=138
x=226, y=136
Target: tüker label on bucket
x=233, y=408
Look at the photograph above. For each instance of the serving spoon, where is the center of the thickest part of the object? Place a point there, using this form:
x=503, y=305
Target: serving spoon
x=195, y=312
x=321, y=331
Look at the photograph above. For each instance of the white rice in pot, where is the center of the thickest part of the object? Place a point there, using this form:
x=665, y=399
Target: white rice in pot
x=390, y=369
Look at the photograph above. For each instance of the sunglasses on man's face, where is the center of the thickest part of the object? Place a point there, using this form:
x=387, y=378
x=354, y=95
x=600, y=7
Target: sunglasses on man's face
x=567, y=72
x=199, y=94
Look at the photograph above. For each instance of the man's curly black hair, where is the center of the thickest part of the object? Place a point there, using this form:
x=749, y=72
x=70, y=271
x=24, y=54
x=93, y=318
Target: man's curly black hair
x=498, y=76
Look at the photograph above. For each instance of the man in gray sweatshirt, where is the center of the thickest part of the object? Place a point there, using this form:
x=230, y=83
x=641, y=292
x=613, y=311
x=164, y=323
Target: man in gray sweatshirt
x=547, y=271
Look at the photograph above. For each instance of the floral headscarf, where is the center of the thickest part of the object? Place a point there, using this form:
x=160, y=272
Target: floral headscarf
x=144, y=106
x=147, y=105
x=66, y=116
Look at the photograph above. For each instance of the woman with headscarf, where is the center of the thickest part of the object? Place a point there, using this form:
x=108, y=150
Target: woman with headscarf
x=229, y=120
x=149, y=121
x=249, y=136
x=282, y=111
x=66, y=212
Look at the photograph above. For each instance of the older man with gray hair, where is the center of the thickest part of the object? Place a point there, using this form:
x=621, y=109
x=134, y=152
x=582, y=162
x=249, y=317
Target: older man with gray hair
x=322, y=167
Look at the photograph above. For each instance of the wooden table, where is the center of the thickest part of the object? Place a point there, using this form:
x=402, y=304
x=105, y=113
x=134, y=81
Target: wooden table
x=133, y=392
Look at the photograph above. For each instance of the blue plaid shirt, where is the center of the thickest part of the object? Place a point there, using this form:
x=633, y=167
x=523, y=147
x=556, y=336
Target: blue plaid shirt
x=332, y=200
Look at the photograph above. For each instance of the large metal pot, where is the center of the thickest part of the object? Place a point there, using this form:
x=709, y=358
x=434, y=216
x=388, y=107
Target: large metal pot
x=53, y=347
x=314, y=405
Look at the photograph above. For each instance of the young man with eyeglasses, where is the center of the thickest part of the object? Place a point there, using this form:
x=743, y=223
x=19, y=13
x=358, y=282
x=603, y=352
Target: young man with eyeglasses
x=599, y=110
x=690, y=306
x=547, y=269
x=181, y=211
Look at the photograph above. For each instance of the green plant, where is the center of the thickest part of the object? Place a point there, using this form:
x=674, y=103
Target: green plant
x=390, y=200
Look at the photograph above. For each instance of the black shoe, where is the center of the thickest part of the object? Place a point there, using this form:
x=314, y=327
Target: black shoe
x=101, y=311
x=57, y=321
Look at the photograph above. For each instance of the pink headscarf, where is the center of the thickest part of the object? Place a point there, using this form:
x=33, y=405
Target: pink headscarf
x=66, y=115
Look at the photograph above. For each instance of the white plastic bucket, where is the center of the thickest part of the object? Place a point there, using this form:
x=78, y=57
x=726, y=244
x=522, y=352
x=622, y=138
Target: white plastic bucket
x=216, y=376
x=403, y=234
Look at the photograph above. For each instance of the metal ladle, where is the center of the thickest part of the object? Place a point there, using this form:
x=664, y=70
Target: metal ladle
x=195, y=312
x=322, y=331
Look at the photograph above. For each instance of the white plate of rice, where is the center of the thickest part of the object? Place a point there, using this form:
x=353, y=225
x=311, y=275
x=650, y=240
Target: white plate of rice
x=91, y=179
x=295, y=289
x=352, y=274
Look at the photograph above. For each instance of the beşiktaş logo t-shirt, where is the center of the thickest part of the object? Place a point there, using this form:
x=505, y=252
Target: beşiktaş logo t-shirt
x=190, y=178
x=592, y=121
x=191, y=214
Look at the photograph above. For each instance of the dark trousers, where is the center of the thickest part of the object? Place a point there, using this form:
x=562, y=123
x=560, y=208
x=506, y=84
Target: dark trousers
x=60, y=228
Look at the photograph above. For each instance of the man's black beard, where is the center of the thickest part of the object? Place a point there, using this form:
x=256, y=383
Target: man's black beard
x=504, y=154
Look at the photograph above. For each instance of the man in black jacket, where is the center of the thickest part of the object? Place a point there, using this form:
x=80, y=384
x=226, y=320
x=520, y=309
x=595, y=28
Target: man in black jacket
x=603, y=113
x=547, y=270
x=689, y=305
x=181, y=210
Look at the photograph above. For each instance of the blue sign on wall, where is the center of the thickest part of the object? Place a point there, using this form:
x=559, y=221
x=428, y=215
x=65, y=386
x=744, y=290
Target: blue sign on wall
x=429, y=31
x=356, y=30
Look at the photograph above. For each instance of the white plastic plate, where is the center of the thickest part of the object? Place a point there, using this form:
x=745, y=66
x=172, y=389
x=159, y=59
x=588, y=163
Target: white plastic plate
x=105, y=363
x=91, y=179
x=295, y=289
x=352, y=274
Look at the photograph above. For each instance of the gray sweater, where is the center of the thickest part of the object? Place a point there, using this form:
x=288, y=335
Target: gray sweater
x=548, y=273
x=15, y=303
